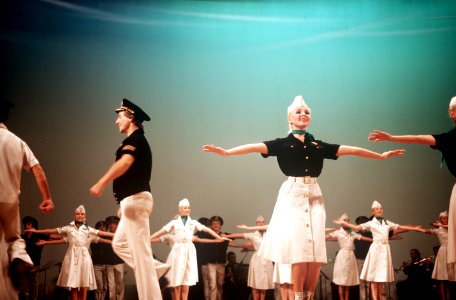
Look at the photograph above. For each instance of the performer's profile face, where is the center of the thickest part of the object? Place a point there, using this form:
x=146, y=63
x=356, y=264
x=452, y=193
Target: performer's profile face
x=123, y=122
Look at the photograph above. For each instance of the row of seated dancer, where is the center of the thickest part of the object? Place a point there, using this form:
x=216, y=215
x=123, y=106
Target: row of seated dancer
x=232, y=280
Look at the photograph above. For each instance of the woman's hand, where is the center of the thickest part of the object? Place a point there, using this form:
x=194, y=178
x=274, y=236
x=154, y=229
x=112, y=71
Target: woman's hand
x=379, y=136
x=215, y=149
x=397, y=152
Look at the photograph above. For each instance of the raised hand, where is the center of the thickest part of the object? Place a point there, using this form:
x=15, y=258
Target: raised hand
x=379, y=136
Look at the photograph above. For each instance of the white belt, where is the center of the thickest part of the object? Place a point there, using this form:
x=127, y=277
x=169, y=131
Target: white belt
x=381, y=241
x=305, y=179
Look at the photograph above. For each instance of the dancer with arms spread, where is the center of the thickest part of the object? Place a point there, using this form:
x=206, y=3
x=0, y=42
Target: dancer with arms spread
x=77, y=273
x=378, y=267
x=296, y=233
x=183, y=271
x=345, y=266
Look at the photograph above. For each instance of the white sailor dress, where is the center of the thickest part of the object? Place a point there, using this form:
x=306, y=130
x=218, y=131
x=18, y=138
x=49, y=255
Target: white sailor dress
x=443, y=270
x=77, y=267
x=260, y=268
x=345, y=266
x=182, y=257
x=378, y=266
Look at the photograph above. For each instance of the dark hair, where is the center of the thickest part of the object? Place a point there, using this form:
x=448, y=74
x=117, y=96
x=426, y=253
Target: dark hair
x=31, y=220
x=216, y=218
x=101, y=223
x=230, y=253
x=205, y=221
x=112, y=219
x=361, y=220
x=416, y=250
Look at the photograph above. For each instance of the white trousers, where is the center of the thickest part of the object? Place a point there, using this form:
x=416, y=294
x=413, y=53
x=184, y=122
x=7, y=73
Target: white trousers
x=132, y=243
x=11, y=246
x=451, y=250
x=10, y=228
x=102, y=281
x=213, y=277
x=116, y=281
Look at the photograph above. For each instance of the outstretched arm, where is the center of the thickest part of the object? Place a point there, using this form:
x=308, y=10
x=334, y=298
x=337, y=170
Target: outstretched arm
x=380, y=136
x=116, y=170
x=412, y=228
x=349, y=225
x=45, y=231
x=245, y=227
x=197, y=239
x=105, y=234
x=50, y=242
x=246, y=246
x=240, y=150
x=46, y=205
x=362, y=152
x=363, y=238
x=215, y=235
x=157, y=234
x=235, y=236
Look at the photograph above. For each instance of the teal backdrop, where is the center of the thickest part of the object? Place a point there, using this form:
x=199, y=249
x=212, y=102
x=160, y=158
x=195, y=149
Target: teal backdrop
x=224, y=72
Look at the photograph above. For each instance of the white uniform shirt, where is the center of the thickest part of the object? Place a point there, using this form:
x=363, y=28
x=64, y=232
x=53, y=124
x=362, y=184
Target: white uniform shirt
x=15, y=155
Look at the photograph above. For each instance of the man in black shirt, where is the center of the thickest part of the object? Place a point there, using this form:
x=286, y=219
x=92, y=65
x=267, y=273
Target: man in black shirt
x=213, y=267
x=98, y=252
x=130, y=175
x=34, y=251
x=115, y=266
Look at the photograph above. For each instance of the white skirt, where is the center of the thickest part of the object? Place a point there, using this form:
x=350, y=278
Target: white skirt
x=296, y=232
x=282, y=274
x=442, y=270
x=345, y=268
x=378, y=266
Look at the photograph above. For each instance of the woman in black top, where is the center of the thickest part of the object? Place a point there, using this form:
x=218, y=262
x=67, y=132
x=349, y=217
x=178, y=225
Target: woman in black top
x=299, y=208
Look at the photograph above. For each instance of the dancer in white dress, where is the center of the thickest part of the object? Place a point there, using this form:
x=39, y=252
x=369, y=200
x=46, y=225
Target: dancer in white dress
x=260, y=269
x=296, y=233
x=443, y=271
x=345, y=267
x=378, y=266
x=183, y=271
x=77, y=272
x=282, y=272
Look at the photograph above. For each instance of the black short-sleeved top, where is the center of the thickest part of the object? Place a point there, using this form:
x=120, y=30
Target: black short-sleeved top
x=103, y=254
x=136, y=178
x=298, y=158
x=446, y=143
x=212, y=253
x=33, y=250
